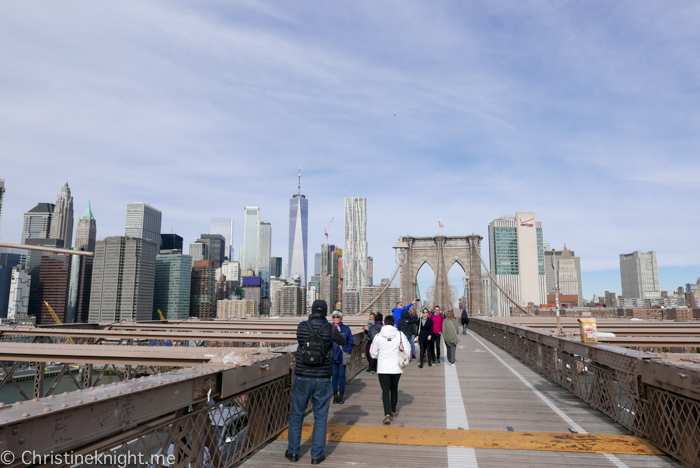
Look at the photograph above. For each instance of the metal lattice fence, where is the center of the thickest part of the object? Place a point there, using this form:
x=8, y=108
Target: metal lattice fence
x=613, y=385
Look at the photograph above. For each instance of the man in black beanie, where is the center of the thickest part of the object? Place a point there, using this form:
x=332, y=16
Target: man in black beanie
x=312, y=381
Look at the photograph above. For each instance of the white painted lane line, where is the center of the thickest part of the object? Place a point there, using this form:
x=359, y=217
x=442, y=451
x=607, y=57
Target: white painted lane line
x=616, y=461
x=457, y=457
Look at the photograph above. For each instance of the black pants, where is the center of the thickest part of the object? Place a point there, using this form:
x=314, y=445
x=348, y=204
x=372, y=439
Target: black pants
x=425, y=351
x=390, y=391
x=435, y=346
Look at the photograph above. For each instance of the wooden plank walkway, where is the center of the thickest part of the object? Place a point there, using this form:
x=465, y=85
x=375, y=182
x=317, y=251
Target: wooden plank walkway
x=494, y=398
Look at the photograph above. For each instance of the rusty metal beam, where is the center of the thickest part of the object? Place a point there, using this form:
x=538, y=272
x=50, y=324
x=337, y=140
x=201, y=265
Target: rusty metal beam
x=241, y=337
x=171, y=356
x=46, y=249
x=68, y=422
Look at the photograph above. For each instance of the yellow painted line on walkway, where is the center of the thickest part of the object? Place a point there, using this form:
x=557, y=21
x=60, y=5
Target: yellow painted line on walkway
x=539, y=441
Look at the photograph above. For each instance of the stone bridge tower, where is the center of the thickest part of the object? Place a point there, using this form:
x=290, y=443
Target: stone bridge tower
x=441, y=253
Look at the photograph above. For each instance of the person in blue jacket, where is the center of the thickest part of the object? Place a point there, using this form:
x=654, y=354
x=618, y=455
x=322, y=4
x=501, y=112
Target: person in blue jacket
x=338, y=365
x=398, y=310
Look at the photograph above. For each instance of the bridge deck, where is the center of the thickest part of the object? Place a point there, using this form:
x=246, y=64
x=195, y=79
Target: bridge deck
x=488, y=390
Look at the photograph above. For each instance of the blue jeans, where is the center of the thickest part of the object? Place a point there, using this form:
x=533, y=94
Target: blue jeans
x=412, y=339
x=319, y=392
x=338, y=377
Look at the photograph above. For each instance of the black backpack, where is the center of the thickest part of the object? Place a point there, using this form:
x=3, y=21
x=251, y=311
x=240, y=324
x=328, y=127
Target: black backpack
x=313, y=352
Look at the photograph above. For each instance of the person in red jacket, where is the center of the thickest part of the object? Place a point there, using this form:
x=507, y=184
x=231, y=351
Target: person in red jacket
x=435, y=343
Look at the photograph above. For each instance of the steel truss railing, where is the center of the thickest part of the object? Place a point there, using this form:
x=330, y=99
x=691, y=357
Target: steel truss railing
x=654, y=399
x=209, y=415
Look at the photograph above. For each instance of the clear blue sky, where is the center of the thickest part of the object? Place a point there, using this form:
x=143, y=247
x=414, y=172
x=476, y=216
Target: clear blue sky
x=583, y=112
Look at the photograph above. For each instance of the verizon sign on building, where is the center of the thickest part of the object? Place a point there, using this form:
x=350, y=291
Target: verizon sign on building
x=516, y=254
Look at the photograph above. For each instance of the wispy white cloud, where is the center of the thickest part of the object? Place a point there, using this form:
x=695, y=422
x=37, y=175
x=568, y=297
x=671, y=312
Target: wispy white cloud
x=584, y=113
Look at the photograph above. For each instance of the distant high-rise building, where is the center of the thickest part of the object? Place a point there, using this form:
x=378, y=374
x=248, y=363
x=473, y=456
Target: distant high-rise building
x=566, y=275
x=170, y=242
x=18, y=304
x=317, y=264
x=2, y=196
x=172, y=286
x=214, y=247
x=62, y=222
x=276, y=267
x=143, y=222
x=203, y=290
x=292, y=300
x=224, y=226
x=86, y=233
x=123, y=276
x=232, y=271
x=298, y=235
x=79, y=293
x=516, y=249
x=351, y=301
x=7, y=263
x=640, y=275
x=386, y=301
x=328, y=281
x=370, y=270
x=486, y=287
x=355, y=274
x=37, y=222
x=263, y=256
x=249, y=250
x=54, y=282
x=276, y=285
x=197, y=251
x=32, y=264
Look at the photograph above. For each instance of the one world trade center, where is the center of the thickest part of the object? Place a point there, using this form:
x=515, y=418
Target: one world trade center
x=298, y=235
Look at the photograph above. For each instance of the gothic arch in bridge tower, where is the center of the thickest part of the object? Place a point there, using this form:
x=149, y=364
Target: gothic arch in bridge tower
x=441, y=253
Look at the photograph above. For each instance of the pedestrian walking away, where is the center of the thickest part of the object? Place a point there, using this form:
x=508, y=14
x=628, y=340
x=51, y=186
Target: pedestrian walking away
x=407, y=326
x=425, y=336
x=341, y=357
x=386, y=349
x=450, y=332
x=465, y=321
x=312, y=381
x=437, y=317
x=372, y=331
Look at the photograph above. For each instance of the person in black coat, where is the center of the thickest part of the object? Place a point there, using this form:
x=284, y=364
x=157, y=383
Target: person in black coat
x=406, y=325
x=312, y=382
x=425, y=334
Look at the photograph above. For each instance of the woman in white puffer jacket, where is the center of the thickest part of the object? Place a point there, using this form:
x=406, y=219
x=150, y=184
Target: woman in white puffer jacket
x=385, y=349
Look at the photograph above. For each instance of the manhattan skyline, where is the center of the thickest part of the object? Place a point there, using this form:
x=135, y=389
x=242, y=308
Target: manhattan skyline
x=584, y=114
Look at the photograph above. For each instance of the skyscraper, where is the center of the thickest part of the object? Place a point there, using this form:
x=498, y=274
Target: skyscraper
x=567, y=275
x=86, y=233
x=62, y=222
x=250, y=238
x=143, y=222
x=355, y=275
x=203, y=290
x=224, y=226
x=276, y=267
x=317, y=264
x=2, y=195
x=214, y=247
x=54, y=282
x=123, y=275
x=170, y=242
x=172, y=286
x=298, y=234
x=263, y=256
x=37, y=222
x=18, y=303
x=196, y=251
x=640, y=275
x=516, y=252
